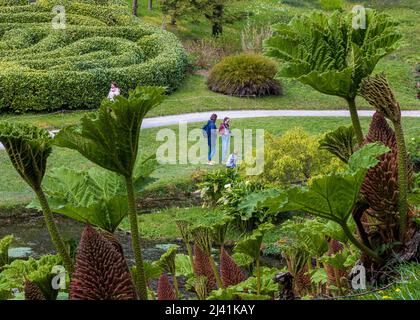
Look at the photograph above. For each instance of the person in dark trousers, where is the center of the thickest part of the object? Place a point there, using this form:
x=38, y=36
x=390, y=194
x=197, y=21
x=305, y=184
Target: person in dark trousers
x=210, y=130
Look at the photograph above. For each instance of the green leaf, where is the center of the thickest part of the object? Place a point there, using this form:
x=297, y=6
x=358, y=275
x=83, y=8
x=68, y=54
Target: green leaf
x=4, y=249
x=340, y=142
x=257, y=200
x=110, y=137
x=251, y=245
x=28, y=148
x=183, y=265
x=167, y=260
x=151, y=270
x=95, y=196
x=367, y=156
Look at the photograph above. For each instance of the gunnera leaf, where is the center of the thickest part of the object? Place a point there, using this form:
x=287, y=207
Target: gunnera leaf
x=165, y=290
x=101, y=271
x=230, y=272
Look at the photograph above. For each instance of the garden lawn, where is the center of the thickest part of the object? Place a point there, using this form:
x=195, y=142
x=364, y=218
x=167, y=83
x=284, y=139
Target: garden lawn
x=14, y=191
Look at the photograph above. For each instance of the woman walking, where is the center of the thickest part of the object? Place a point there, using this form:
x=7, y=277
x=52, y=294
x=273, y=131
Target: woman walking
x=224, y=131
x=210, y=130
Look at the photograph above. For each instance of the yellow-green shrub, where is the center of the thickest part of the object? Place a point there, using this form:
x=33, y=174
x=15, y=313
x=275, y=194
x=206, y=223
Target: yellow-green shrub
x=294, y=158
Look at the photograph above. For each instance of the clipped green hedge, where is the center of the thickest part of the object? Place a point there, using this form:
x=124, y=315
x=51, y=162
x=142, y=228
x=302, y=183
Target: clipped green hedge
x=42, y=69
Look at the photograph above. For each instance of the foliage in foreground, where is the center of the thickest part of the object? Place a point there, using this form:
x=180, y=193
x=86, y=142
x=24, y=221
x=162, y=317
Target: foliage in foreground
x=101, y=272
x=28, y=148
x=96, y=196
x=330, y=55
x=110, y=139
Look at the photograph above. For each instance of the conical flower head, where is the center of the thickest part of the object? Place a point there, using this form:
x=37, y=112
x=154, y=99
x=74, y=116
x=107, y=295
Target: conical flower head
x=165, y=290
x=377, y=91
x=101, y=271
x=202, y=267
x=231, y=273
x=32, y=291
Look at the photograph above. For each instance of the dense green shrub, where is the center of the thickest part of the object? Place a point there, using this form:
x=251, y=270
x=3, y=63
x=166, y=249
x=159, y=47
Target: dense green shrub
x=245, y=75
x=294, y=158
x=214, y=183
x=42, y=69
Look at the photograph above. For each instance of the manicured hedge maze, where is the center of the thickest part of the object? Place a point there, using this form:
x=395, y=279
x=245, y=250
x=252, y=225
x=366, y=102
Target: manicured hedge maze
x=46, y=69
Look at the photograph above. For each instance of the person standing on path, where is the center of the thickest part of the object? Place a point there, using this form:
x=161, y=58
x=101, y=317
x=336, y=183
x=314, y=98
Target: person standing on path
x=210, y=130
x=114, y=91
x=224, y=131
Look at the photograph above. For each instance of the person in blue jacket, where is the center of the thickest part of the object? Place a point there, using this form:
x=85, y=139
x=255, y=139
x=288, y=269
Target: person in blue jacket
x=210, y=130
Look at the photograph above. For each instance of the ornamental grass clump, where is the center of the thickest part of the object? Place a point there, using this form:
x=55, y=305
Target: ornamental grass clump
x=245, y=75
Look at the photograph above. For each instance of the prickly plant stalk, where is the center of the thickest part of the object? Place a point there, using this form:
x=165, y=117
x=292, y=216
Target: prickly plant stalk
x=230, y=272
x=165, y=290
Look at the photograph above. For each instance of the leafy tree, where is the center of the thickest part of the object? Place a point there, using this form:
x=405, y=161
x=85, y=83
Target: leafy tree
x=329, y=54
x=28, y=148
x=110, y=139
x=214, y=11
x=174, y=8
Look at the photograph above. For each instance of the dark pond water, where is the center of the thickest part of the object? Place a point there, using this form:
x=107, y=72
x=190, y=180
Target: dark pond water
x=31, y=238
